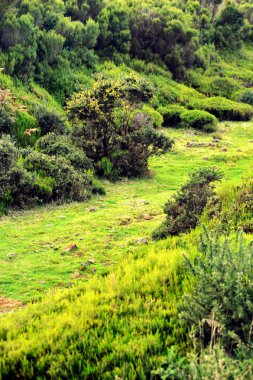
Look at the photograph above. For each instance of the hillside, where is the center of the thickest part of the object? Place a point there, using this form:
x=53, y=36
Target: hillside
x=126, y=189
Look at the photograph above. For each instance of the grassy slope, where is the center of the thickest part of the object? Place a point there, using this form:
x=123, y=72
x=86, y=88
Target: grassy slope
x=32, y=243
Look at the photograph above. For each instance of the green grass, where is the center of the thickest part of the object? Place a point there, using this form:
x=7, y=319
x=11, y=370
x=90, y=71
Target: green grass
x=32, y=243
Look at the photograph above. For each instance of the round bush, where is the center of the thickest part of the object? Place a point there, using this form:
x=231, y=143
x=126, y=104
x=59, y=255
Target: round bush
x=246, y=97
x=197, y=119
x=171, y=115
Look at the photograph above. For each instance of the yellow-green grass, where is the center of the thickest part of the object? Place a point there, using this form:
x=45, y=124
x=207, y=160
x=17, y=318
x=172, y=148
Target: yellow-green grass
x=33, y=243
x=113, y=327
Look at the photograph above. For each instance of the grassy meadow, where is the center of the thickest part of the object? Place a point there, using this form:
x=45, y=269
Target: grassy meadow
x=110, y=228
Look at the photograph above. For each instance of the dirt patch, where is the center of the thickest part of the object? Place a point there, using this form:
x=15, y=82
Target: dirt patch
x=7, y=304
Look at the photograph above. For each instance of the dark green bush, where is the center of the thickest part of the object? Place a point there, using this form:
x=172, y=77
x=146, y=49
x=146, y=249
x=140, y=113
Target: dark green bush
x=185, y=208
x=246, y=97
x=54, y=145
x=67, y=183
x=224, y=109
x=50, y=121
x=171, y=115
x=197, y=119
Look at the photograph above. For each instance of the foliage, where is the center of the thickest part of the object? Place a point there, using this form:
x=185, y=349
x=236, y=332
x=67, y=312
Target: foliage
x=228, y=28
x=246, y=96
x=220, y=306
x=186, y=207
x=7, y=111
x=54, y=145
x=201, y=120
x=65, y=183
x=50, y=121
x=108, y=129
x=171, y=114
x=64, y=333
x=223, y=109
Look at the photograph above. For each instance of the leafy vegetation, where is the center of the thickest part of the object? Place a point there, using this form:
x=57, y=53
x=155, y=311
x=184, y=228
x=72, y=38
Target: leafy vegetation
x=86, y=89
x=184, y=211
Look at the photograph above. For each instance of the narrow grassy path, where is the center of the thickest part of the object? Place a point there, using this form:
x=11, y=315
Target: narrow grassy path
x=106, y=229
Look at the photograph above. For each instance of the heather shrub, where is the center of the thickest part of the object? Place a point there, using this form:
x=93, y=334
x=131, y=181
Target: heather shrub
x=185, y=208
x=155, y=116
x=50, y=121
x=60, y=145
x=246, y=96
x=220, y=307
x=67, y=183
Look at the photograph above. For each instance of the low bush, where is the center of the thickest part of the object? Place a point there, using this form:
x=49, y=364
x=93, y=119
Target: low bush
x=67, y=183
x=171, y=115
x=186, y=207
x=246, y=96
x=223, y=109
x=220, y=308
x=197, y=119
x=54, y=145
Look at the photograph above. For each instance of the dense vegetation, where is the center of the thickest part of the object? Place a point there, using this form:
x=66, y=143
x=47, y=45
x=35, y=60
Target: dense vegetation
x=129, y=97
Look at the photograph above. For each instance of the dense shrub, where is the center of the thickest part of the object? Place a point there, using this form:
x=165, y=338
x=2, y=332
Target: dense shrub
x=197, y=119
x=185, y=208
x=7, y=112
x=50, y=121
x=66, y=182
x=224, y=109
x=221, y=305
x=17, y=186
x=171, y=114
x=55, y=145
x=246, y=96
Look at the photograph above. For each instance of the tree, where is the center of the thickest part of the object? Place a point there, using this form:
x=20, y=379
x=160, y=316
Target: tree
x=228, y=27
x=110, y=132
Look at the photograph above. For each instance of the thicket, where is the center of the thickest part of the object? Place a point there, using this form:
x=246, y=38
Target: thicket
x=184, y=210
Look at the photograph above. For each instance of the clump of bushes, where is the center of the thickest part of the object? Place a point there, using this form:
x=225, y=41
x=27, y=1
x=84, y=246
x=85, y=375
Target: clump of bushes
x=232, y=206
x=54, y=145
x=171, y=115
x=155, y=116
x=186, y=207
x=197, y=119
x=223, y=109
x=30, y=177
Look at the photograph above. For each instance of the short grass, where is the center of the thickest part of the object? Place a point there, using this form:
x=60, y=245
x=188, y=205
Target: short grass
x=33, y=243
